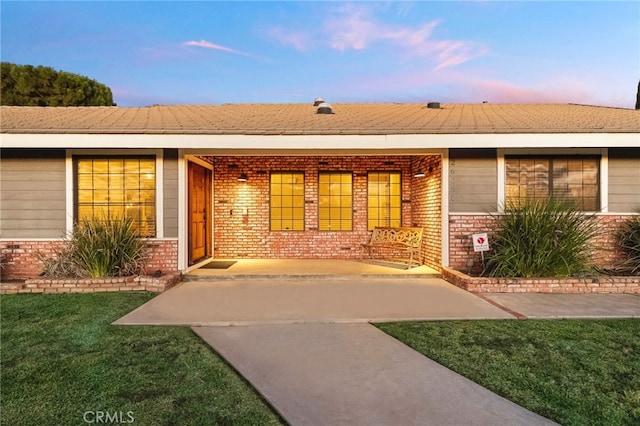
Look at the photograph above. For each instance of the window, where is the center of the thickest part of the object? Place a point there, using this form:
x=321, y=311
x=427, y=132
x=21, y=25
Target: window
x=118, y=187
x=384, y=199
x=567, y=178
x=287, y=201
x=335, y=201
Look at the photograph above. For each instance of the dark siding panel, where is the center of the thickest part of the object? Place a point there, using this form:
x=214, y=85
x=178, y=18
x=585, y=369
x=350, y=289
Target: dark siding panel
x=32, y=200
x=473, y=180
x=624, y=180
x=170, y=193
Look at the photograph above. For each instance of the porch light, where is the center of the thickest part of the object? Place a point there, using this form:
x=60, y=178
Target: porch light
x=242, y=177
x=422, y=174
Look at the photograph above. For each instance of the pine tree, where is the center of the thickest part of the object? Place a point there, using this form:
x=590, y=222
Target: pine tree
x=27, y=85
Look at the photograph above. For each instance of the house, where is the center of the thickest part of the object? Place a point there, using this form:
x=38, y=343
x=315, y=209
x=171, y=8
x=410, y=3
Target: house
x=304, y=181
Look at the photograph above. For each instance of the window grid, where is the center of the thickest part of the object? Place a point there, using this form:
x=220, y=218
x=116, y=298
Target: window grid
x=564, y=178
x=335, y=201
x=286, y=201
x=384, y=199
x=114, y=187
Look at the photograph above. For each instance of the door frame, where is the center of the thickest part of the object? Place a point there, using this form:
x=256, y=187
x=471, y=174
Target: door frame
x=209, y=211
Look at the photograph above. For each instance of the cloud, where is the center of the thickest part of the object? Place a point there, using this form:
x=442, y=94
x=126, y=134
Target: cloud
x=208, y=45
x=298, y=40
x=354, y=27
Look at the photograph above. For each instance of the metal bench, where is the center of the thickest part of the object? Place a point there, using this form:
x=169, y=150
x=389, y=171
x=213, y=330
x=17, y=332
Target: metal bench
x=404, y=239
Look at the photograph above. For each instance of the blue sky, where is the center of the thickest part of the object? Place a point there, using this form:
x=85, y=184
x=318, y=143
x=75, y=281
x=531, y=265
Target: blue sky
x=214, y=52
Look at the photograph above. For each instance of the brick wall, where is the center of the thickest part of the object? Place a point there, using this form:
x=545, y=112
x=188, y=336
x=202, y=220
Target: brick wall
x=93, y=285
x=462, y=226
x=604, y=284
x=240, y=235
x=19, y=261
x=426, y=207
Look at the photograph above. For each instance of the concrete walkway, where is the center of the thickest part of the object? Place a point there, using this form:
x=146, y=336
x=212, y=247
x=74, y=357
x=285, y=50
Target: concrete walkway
x=305, y=345
x=354, y=374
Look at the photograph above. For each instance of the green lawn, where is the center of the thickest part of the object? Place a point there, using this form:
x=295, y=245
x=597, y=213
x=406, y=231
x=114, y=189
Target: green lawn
x=61, y=358
x=575, y=372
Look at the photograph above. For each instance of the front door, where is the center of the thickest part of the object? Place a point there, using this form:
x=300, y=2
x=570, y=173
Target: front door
x=199, y=212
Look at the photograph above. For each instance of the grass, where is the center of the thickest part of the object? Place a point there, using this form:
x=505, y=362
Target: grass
x=575, y=372
x=61, y=358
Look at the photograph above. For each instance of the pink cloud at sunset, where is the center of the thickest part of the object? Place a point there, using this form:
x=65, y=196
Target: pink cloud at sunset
x=353, y=27
x=208, y=45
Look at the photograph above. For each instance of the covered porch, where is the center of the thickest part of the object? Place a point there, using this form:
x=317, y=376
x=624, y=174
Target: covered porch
x=305, y=205
x=307, y=269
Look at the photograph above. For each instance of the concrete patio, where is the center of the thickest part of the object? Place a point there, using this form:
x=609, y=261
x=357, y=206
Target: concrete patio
x=311, y=268
x=278, y=300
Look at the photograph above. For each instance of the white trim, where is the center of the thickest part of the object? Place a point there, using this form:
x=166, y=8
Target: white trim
x=69, y=191
x=604, y=180
x=501, y=178
x=410, y=144
x=183, y=256
x=159, y=193
x=444, y=182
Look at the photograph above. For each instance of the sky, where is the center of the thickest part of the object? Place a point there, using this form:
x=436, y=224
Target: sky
x=217, y=52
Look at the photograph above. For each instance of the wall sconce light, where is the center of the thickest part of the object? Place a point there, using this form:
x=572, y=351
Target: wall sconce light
x=242, y=177
x=422, y=174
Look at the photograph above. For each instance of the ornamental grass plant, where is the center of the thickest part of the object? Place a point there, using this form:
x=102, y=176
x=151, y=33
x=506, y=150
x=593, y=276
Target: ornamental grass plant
x=97, y=248
x=628, y=237
x=542, y=238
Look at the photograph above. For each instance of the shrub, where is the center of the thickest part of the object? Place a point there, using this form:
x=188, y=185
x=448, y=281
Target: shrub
x=541, y=238
x=98, y=248
x=628, y=237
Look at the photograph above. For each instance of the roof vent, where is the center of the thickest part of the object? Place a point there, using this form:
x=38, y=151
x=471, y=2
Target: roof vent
x=317, y=102
x=324, y=108
x=433, y=105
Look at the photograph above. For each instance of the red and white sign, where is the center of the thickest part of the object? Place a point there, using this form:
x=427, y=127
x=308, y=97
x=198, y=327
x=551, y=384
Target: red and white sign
x=480, y=242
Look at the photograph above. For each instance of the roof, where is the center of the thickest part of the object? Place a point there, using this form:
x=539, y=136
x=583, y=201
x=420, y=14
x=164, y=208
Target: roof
x=301, y=119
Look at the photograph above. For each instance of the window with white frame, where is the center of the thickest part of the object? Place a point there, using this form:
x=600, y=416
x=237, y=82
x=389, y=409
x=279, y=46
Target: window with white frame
x=571, y=178
x=116, y=187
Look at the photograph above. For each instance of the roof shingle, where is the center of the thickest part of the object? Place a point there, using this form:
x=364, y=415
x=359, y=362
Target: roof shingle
x=301, y=119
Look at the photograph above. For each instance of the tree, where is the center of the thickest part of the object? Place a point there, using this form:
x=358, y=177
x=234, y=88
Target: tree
x=26, y=85
x=638, y=97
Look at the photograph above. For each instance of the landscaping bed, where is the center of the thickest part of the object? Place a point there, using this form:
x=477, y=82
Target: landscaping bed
x=596, y=284
x=92, y=285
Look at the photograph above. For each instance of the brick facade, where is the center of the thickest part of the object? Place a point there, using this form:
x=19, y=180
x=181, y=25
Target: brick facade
x=94, y=285
x=241, y=209
x=19, y=261
x=462, y=226
x=604, y=284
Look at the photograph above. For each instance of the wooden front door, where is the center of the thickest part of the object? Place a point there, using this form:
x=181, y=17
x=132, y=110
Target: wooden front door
x=199, y=212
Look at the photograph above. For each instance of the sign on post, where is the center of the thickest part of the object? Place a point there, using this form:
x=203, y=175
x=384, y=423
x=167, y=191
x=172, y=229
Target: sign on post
x=480, y=242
